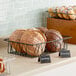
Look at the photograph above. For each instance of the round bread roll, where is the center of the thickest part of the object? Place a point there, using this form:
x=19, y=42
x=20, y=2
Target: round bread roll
x=71, y=13
x=16, y=36
x=52, y=12
x=33, y=37
x=43, y=29
x=65, y=13
x=2, y=66
x=59, y=11
x=54, y=35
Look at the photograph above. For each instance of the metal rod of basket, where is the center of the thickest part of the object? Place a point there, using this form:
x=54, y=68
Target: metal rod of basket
x=40, y=43
x=12, y=51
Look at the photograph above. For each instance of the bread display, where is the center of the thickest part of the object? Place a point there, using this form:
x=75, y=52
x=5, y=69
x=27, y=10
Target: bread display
x=34, y=41
x=33, y=37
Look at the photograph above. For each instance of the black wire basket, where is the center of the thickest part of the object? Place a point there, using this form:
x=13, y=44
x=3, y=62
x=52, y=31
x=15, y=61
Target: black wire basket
x=11, y=50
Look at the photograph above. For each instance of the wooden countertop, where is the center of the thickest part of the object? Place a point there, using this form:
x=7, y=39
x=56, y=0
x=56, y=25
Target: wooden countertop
x=25, y=66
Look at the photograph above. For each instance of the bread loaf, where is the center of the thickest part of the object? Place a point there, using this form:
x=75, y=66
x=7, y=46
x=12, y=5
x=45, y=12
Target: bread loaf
x=33, y=37
x=16, y=36
x=54, y=35
x=43, y=29
x=52, y=12
x=71, y=13
x=65, y=13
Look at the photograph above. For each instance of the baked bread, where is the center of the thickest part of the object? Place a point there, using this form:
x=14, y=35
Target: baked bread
x=31, y=38
x=16, y=36
x=43, y=29
x=60, y=11
x=65, y=13
x=52, y=12
x=72, y=13
x=54, y=35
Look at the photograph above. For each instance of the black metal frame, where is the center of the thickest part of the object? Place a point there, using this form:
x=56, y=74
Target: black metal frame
x=11, y=50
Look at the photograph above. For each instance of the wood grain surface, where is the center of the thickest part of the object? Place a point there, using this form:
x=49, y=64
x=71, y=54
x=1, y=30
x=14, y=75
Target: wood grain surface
x=65, y=27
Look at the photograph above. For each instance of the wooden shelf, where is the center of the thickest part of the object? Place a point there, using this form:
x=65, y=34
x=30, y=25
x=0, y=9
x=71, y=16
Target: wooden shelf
x=26, y=66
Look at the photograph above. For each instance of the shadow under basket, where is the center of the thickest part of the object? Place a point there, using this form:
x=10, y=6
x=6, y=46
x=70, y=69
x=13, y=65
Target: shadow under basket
x=11, y=50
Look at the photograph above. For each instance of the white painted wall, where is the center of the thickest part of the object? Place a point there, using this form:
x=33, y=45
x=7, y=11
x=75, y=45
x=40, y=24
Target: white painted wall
x=25, y=13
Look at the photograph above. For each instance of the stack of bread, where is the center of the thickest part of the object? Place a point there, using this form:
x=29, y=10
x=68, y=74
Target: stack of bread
x=35, y=40
x=30, y=37
x=63, y=12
